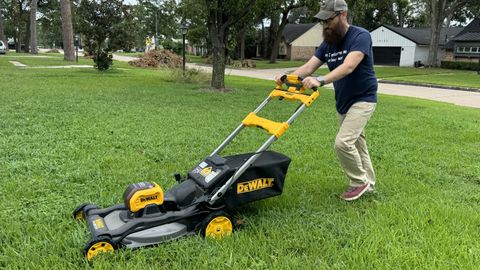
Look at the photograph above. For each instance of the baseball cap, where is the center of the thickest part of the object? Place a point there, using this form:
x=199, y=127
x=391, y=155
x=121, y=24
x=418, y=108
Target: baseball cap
x=328, y=9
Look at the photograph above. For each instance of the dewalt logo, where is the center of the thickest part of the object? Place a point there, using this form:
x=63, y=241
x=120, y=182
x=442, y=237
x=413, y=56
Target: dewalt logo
x=148, y=198
x=255, y=184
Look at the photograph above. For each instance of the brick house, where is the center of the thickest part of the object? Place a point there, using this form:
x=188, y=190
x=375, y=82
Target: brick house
x=299, y=41
x=465, y=46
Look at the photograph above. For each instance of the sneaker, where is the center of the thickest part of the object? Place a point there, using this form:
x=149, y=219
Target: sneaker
x=354, y=193
x=371, y=188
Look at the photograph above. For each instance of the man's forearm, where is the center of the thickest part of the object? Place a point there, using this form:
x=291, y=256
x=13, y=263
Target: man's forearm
x=303, y=71
x=338, y=73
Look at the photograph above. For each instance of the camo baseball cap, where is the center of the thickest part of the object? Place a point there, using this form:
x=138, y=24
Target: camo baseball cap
x=330, y=7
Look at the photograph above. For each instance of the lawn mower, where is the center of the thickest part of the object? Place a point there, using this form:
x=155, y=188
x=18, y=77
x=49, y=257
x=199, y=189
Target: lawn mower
x=203, y=200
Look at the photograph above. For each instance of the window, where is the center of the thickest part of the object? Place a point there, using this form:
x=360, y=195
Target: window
x=468, y=50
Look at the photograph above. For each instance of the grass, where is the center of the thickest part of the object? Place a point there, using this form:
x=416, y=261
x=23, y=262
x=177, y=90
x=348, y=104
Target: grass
x=45, y=59
x=132, y=54
x=76, y=135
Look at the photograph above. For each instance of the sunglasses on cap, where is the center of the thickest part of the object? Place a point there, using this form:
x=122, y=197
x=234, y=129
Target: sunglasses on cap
x=329, y=20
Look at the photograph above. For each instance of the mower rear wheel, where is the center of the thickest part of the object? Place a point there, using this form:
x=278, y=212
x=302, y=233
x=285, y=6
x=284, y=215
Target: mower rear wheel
x=98, y=246
x=217, y=225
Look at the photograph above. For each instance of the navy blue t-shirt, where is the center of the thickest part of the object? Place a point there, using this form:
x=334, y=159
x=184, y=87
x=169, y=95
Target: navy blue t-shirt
x=361, y=84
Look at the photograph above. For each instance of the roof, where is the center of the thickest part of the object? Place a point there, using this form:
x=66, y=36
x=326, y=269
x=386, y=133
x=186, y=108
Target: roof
x=471, y=32
x=422, y=36
x=468, y=37
x=294, y=31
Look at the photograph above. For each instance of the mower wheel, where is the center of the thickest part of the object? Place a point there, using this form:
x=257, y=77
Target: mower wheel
x=98, y=246
x=217, y=225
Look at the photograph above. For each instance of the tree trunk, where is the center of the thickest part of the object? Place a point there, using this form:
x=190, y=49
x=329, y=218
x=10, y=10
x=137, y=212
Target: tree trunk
x=437, y=11
x=16, y=39
x=278, y=37
x=26, y=49
x=401, y=15
x=33, y=27
x=18, y=25
x=217, y=37
x=67, y=30
x=218, y=71
x=272, y=32
x=264, y=42
x=243, y=34
x=2, y=29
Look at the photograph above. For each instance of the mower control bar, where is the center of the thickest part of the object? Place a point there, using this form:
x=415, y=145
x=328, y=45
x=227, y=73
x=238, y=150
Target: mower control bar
x=294, y=92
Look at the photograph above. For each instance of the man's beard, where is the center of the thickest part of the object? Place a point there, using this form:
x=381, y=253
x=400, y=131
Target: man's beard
x=335, y=35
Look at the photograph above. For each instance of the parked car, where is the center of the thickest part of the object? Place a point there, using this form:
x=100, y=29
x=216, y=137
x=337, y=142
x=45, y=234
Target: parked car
x=3, y=48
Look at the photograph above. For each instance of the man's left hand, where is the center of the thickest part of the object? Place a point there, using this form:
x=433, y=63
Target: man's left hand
x=310, y=82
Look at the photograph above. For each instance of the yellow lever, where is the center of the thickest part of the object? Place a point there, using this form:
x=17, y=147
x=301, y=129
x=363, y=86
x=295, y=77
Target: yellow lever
x=305, y=99
x=274, y=128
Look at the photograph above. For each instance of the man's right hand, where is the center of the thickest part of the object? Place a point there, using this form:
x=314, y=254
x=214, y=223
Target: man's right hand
x=278, y=79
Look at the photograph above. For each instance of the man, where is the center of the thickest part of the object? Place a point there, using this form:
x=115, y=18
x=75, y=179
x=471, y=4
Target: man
x=347, y=50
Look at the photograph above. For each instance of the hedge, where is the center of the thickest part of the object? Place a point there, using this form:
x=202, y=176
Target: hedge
x=460, y=65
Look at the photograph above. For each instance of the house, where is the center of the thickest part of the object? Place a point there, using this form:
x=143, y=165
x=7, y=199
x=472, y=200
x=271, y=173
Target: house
x=399, y=46
x=299, y=41
x=465, y=46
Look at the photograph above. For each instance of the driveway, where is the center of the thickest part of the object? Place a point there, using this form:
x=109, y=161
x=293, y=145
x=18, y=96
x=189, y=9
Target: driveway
x=458, y=97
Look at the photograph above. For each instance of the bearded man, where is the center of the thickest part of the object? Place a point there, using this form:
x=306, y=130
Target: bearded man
x=347, y=50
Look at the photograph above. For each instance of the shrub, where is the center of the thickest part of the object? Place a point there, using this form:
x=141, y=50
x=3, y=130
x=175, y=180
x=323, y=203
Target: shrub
x=103, y=60
x=459, y=65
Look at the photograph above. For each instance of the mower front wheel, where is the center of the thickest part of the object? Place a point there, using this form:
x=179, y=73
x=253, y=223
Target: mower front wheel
x=98, y=246
x=217, y=225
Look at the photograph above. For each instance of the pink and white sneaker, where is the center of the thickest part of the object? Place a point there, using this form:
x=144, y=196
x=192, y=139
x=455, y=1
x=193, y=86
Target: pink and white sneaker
x=354, y=193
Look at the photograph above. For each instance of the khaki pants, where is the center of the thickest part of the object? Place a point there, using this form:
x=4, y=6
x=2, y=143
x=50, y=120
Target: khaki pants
x=351, y=146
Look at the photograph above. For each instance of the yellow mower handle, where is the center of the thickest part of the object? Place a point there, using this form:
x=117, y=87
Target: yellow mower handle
x=294, y=83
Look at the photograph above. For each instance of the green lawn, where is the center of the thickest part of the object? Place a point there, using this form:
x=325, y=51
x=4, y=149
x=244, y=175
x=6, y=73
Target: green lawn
x=45, y=59
x=77, y=135
x=133, y=54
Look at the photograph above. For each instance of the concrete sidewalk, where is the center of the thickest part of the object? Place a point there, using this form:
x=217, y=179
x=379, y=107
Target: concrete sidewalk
x=458, y=97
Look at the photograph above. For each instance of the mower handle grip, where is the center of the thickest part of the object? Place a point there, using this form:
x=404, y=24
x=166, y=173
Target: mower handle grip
x=294, y=80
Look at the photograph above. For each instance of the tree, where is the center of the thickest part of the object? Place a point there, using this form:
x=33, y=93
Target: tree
x=16, y=22
x=278, y=23
x=221, y=16
x=2, y=29
x=100, y=23
x=49, y=23
x=33, y=27
x=67, y=30
x=439, y=10
x=153, y=16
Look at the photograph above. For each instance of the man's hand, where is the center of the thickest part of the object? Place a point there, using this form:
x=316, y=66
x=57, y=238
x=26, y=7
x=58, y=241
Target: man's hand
x=277, y=79
x=310, y=82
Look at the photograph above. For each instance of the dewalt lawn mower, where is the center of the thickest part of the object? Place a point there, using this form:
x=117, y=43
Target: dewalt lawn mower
x=203, y=200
